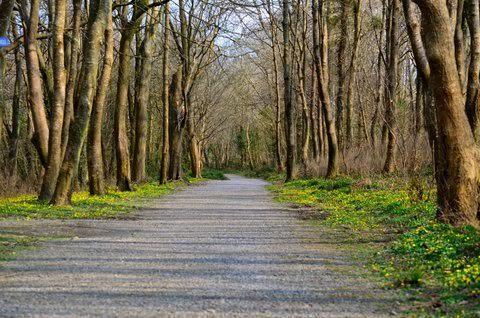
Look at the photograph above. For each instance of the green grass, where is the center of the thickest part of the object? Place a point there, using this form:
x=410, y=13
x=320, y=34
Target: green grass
x=11, y=244
x=437, y=263
x=212, y=174
x=84, y=206
x=268, y=174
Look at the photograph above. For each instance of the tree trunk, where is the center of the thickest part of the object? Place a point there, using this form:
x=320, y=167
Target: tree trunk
x=278, y=107
x=122, y=148
x=177, y=124
x=142, y=100
x=35, y=86
x=14, y=133
x=342, y=45
x=288, y=95
x=96, y=173
x=6, y=8
x=313, y=116
x=195, y=154
x=57, y=111
x=124, y=70
x=473, y=84
x=458, y=162
x=322, y=76
x=302, y=87
x=353, y=71
x=99, y=12
x=72, y=73
x=165, y=97
x=391, y=93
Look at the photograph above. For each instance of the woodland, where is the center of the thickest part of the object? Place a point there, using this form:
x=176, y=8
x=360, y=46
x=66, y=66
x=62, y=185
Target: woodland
x=316, y=95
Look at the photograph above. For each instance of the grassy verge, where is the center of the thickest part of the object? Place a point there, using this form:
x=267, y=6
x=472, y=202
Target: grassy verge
x=212, y=174
x=266, y=173
x=11, y=244
x=84, y=206
x=437, y=265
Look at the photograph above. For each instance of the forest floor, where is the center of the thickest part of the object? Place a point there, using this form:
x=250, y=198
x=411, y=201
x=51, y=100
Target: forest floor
x=222, y=248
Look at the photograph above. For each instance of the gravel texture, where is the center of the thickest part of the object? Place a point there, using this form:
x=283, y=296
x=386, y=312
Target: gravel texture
x=221, y=249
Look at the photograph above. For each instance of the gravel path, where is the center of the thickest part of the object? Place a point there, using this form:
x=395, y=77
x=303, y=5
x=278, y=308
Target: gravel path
x=223, y=249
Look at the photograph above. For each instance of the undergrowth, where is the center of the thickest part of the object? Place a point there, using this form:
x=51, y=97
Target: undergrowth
x=212, y=174
x=437, y=263
x=268, y=174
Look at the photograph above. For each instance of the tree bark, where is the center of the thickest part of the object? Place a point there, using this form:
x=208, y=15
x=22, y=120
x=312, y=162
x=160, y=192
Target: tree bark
x=56, y=119
x=99, y=12
x=357, y=10
x=195, y=153
x=14, y=131
x=278, y=107
x=35, y=86
x=6, y=8
x=142, y=100
x=321, y=66
x=288, y=95
x=124, y=70
x=458, y=161
x=96, y=174
x=342, y=74
x=313, y=117
x=473, y=83
x=165, y=97
x=391, y=86
x=72, y=73
x=177, y=124
x=302, y=90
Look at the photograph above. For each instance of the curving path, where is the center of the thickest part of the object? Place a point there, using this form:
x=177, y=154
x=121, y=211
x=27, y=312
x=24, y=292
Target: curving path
x=222, y=249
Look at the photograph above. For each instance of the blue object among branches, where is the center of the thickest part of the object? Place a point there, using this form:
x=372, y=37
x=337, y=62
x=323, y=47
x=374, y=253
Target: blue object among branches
x=4, y=41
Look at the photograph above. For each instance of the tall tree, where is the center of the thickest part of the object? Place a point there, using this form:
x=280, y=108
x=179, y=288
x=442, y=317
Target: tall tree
x=129, y=28
x=288, y=94
x=391, y=85
x=57, y=111
x=97, y=21
x=6, y=8
x=345, y=7
x=165, y=97
x=75, y=47
x=177, y=123
x=357, y=25
x=34, y=77
x=14, y=131
x=320, y=49
x=142, y=97
x=457, y=161
x=278, y=108
x=94, y=147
